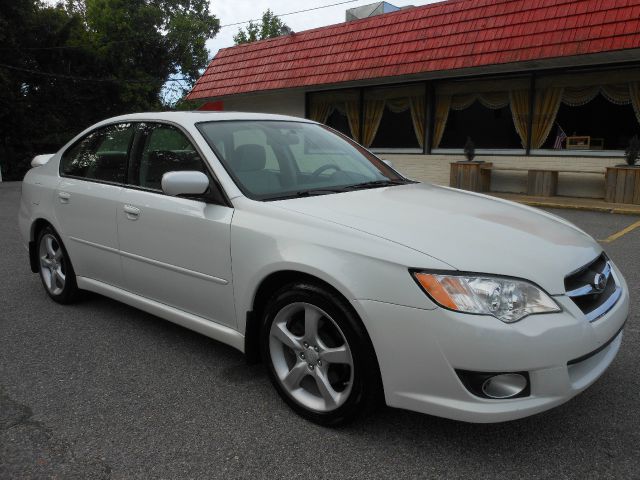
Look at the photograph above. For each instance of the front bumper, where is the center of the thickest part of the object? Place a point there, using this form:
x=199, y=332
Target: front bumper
x=419, y=350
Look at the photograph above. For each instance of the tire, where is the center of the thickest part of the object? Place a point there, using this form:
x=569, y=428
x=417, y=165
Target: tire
x=55, y=269
x=329, y=373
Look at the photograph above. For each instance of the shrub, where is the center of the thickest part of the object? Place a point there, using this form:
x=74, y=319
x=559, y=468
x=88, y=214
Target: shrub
x=633, y=151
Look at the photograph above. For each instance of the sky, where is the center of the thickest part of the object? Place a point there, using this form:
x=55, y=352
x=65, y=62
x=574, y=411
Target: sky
x=232, y=11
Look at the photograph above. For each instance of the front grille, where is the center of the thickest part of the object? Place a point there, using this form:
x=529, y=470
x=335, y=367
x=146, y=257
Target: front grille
x=593, y=288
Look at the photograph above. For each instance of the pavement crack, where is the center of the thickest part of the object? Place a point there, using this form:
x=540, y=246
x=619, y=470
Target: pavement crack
x=30, y=449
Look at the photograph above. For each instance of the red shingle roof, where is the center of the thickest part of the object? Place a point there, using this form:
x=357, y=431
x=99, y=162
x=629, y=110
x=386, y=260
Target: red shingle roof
x=448, y=35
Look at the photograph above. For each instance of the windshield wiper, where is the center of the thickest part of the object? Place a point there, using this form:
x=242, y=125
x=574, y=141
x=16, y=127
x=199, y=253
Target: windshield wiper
x=325, y=191
x=308, y=193
x=377, y=183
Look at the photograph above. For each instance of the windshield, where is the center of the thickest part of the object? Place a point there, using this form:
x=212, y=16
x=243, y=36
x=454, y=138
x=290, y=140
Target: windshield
x=271, y=160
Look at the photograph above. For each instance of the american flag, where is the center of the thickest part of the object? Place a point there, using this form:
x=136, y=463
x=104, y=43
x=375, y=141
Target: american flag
x=560, y=138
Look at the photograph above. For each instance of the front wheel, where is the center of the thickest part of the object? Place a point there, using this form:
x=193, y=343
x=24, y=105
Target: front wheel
x=319, y=358
x=56, y=271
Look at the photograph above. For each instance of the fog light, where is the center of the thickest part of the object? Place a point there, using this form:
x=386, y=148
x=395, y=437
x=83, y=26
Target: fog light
x=506, y=385
x=496, y=385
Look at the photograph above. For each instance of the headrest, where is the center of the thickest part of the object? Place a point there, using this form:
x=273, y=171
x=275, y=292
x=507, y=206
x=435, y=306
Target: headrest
x=249, y=158
x=111, y=159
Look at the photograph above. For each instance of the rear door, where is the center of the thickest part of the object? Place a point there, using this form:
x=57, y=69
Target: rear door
x=174, y=250
x=86, y=200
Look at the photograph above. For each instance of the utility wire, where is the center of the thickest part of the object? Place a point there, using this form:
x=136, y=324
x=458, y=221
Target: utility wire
x=66, y=47
x=290, y=13
x=85, y=79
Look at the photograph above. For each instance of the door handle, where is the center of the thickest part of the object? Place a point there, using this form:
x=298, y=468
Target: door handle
x=132, y=212
x=64, y=197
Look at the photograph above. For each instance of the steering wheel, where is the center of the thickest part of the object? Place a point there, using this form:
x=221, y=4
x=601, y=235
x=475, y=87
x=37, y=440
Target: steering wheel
x=327, y=166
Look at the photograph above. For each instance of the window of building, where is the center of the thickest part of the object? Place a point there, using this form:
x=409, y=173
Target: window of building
x=596, y=125
x=394, y=117
x=338, y=109
x=487, y=128
x=395, y=131
x=591, y=112
x=338, y=120
x=489, y=112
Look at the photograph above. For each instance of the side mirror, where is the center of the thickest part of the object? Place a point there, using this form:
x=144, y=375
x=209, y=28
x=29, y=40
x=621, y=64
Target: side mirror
x=184, y=183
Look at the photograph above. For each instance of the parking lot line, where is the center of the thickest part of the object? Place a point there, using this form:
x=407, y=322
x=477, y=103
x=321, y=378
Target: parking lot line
x=621, y=233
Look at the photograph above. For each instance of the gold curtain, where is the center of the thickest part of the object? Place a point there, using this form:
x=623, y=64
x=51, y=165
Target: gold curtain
x=352, y=108
x=418, y=115
x=577, y=96
x=415, y=104
x=634, y=93
x=544, y=114
x=443, y=102
x=397, y=105
x=520, y=103
x=373, y=110
x=494, y=100
x=617, y=93
x=462, y=102
x=320, y=110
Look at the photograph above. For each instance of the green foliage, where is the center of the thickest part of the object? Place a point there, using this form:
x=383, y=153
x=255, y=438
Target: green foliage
x=632, y=153
x=269, y=27
x=67, y=66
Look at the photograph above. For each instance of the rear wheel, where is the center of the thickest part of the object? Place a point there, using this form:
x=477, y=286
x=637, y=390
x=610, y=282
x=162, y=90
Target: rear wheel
x=56, y=271
x=318, y=355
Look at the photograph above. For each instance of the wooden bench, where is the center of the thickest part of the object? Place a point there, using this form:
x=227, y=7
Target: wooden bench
x=542, y=182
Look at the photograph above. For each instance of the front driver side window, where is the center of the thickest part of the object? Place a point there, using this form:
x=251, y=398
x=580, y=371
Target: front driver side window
x=165, y=149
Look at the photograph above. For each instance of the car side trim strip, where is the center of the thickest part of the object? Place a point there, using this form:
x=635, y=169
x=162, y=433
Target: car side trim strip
x=157, y=263
x=95, y=245
x=198, y=324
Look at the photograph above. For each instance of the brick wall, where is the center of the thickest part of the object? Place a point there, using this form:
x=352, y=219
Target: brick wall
x=435, y=169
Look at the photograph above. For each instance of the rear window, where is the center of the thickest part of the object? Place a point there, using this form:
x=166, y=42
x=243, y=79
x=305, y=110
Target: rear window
x=100, y=155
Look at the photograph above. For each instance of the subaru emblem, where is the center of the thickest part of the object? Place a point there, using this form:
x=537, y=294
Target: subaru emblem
x=599, y=282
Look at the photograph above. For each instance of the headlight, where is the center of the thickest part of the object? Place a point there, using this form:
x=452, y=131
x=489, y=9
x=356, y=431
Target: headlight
x=506, y=299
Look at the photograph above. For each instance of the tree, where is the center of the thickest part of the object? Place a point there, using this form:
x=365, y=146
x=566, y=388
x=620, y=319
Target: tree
x=270, y=27
x=144, y=42
x=64, y=67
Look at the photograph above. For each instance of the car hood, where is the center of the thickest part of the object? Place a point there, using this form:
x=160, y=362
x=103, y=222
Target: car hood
x=469, y=231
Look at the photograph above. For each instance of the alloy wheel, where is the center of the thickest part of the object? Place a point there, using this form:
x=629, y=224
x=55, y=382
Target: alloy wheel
x=52, y=266
x=311, y=357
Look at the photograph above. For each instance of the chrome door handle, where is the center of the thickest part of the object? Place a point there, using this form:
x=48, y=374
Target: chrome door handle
x=131, y=212
x=64, y=197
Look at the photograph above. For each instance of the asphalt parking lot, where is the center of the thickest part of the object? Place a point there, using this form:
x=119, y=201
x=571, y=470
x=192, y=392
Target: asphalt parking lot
x=101, y=390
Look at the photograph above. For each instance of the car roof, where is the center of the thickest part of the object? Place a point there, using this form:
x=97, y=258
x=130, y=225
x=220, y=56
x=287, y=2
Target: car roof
x=192, y=117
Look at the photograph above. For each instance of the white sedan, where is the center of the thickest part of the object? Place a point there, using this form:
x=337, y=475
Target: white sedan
x=353, y=284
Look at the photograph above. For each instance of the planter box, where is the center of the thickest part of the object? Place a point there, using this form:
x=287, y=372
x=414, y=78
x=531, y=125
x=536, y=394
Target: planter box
x=473, y=176
x=542, y=183
x=622, y=185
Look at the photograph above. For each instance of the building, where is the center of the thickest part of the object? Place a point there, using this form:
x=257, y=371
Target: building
x=414, y=84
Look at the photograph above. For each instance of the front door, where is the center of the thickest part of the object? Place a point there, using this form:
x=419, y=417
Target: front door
x=174, y=250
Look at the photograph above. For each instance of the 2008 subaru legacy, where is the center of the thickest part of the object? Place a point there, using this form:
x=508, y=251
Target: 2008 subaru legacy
x=353, y=284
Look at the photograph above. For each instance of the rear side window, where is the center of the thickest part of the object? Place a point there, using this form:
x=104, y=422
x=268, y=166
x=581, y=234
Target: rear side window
x=101, y=155
x=164, y=149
